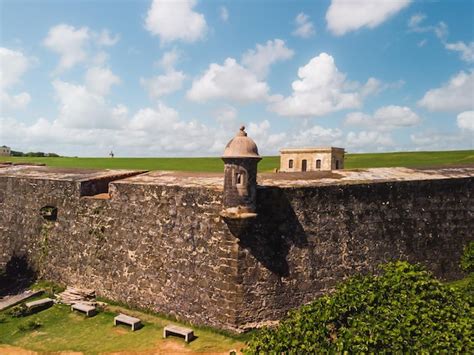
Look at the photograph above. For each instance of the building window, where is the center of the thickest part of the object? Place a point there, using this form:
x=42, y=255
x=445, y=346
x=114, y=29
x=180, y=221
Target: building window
x=304, y=164
x=337, y=164
x=318, y=164
x=290, y=164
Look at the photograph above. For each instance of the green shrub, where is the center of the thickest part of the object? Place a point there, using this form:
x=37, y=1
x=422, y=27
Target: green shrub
x=467, y=259
x=32, y=324
x=18, y=311
x=404, y=309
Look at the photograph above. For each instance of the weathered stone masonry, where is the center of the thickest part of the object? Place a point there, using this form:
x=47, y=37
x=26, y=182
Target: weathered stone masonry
x=159, y=242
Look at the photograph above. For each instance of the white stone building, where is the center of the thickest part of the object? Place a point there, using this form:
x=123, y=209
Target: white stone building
x=5, y=151
x=311, y=159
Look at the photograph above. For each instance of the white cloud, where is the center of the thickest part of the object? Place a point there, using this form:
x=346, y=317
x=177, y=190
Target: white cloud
x=224, y=13
x=345, y=15
x=466, y=50
x=69, y=43
x=14, y=102
x=13, y=64
x=465, y=120
x=435, y=140
x=148, y=119
x=457, y=95
x=226, y=115
x=267, y=141
x=385, y=118
x=99, y=80
x=105, y=38
x=369, y=140
x=74, y=45
x=322, y=89
x=259, y=60
x=81, y=108
x=175, y=20
x=169, y=59
x=416, y=20
x=229, y=81
x=304, y=27
x=316, y=136
x=165, y=84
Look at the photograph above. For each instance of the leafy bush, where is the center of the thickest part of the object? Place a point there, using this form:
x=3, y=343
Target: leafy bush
x=32, y=324
x=467, y=259
x=404, y=309
x=18, y=311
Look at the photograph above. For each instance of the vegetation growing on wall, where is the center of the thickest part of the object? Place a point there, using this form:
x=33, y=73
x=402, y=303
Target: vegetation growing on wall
x=405, y=309
x=467, y=260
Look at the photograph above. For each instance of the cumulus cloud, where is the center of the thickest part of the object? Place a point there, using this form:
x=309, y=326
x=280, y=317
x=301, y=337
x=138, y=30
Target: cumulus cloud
x=346, y=15
x=435, y=140
x=260, y=59
x=228, y=81
x=13, y=64
x=456, y=95
x=82, y=108
x=169, y=60
x=385, y=118
x=465, y=121
x=14, y=102
x=226, y=115
x=99, y=80
x=73, y=45
x=317, y=136
x=69, y=43
x=304, y=27
x=369, y=140
x=105, y=38
x=322, y=89
x=267, y=141
x=175, y=20
x=165, y=84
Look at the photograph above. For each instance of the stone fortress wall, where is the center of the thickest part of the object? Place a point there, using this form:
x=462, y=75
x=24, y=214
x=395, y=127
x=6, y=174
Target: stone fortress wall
x=156, y=240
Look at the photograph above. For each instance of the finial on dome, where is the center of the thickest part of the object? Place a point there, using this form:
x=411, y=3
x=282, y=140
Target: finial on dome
x=242, y=131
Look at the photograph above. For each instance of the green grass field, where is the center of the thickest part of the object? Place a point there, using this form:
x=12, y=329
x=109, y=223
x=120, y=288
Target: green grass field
x=63, y=330
x=370, y=160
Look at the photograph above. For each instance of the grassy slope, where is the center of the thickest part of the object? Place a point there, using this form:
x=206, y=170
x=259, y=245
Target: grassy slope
x=63, y=330
x=371, y=160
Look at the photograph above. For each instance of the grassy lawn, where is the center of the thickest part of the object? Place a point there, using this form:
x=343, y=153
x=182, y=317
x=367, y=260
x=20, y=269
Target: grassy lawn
x=63, y=330
x=371, y=160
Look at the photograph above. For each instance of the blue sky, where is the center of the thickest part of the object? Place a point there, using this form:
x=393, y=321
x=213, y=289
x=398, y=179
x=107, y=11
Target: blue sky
x=177, y=78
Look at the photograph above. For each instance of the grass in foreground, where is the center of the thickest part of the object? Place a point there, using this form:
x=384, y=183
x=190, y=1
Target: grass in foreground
x=63, y=330
x=370, y=160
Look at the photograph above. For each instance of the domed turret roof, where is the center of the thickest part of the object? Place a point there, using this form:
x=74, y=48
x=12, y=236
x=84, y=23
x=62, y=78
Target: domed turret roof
x=241, y=146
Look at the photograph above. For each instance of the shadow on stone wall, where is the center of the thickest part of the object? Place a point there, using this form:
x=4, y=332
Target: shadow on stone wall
x=276, y=229
x=17, y=275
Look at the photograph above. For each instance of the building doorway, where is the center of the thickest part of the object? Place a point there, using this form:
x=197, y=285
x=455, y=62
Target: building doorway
x=304, y=164
x=337, y=164
x=318, y=164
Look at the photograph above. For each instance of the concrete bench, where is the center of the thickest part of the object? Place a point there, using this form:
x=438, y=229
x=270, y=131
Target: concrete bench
x=174, y=329
x=85, y=308
x=39, y=304
x=135, y=323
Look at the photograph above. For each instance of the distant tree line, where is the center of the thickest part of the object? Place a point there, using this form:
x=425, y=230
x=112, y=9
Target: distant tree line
x=32, y=154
